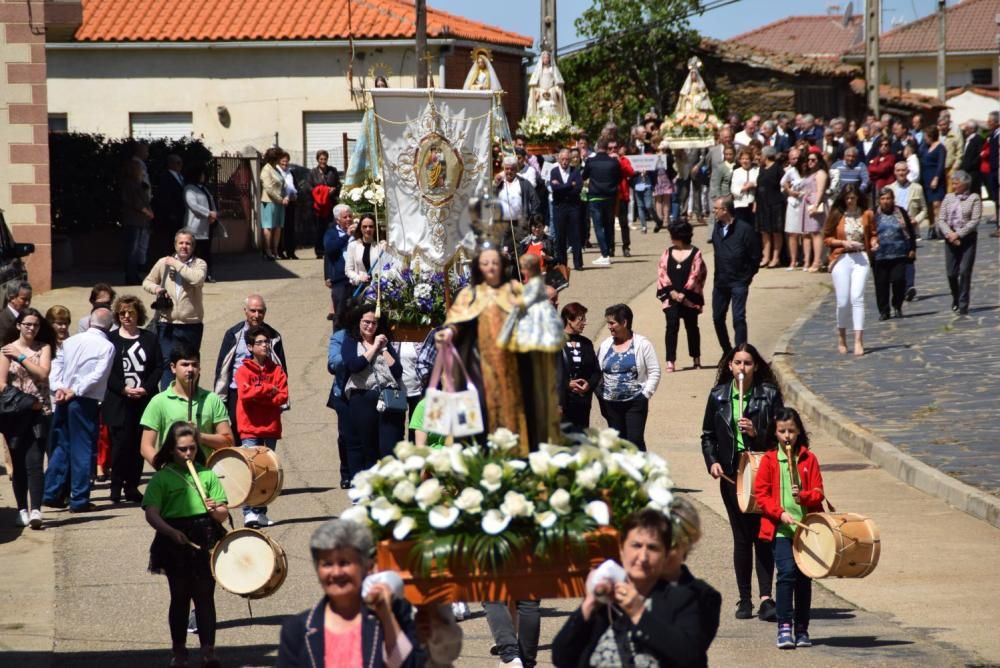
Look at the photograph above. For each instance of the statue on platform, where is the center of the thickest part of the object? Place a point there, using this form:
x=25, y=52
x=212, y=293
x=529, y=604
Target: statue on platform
x=482, y=76
x=546, y=89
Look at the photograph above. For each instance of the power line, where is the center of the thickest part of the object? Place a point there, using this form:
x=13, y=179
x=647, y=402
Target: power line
x=642, y=27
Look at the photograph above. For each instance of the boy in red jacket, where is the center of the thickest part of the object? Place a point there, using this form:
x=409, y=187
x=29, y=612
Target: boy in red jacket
x=786, y=494
x=262, y=391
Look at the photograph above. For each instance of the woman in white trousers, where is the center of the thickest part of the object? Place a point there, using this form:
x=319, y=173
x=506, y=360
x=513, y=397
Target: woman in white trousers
x=848, y=233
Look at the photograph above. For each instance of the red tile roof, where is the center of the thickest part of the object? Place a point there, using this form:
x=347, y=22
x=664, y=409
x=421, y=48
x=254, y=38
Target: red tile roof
x=900, y=99
x=970, y=26
x=818, y=36
x=253, y=20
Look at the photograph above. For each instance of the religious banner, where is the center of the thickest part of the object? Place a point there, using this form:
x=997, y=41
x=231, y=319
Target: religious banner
x=435, y=150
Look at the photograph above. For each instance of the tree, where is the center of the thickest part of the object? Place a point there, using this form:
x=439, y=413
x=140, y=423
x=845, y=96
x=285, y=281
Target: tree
x=636, y=61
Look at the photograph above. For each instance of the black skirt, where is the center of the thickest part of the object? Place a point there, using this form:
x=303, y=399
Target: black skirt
x=770, y=218
x=167, y=557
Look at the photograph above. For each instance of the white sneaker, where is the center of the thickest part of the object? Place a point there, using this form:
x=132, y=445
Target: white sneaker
x=602, y=261
x=264, y=521
x=513, y=663
x=460, y=609
x=251, y=520
x=36, y=519
x=22, y=518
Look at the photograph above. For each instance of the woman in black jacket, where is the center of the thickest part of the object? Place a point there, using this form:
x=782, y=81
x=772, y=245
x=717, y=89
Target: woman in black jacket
x=581, y=370
x=724, y=436
x=135, y=373
x=653, y=617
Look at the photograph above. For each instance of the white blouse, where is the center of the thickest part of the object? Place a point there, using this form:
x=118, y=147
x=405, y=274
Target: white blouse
x=741, y=176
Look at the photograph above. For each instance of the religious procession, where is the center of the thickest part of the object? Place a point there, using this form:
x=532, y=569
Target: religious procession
x=442, y=474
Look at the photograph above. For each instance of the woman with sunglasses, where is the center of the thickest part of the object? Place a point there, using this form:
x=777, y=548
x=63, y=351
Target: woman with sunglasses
x=187, y=528
x=135, y=372
x=24, y=364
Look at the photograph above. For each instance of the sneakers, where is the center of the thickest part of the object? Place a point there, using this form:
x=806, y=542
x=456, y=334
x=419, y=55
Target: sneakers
x=603, y=261
x=802, y=638
x=192, y=622
x=767, y=612
x=460, y=609
x=785, y=639
x=513, y=663
x=22, y=518
x=255, y=520
x=744, y=610
x=35, y=519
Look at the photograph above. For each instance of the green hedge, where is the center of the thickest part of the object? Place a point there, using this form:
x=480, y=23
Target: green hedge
x=84, y=171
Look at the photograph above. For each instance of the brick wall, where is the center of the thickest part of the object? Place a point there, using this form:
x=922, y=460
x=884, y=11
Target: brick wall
x=24, y=151
x=509, y=70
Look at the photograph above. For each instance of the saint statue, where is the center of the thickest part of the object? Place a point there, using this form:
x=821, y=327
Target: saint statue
x=482, y=76
x=546, y=89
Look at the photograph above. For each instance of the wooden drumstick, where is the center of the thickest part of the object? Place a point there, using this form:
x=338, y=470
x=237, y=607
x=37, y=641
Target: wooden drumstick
x=197, y=483
x=727, y=479
x=804, y=527
x=190, y=388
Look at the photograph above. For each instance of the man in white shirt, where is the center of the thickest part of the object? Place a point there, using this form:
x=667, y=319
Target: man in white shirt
x=747, y=134
x=517, y=199
x=79, y=377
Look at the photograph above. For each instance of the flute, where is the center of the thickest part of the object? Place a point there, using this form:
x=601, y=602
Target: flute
x=197, y=484
x=739, y=380
x=190, y=389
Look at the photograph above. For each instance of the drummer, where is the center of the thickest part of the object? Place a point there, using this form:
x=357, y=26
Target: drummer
x=726, y=434
x=187, y=527
x=208, y=412
x=786, y=492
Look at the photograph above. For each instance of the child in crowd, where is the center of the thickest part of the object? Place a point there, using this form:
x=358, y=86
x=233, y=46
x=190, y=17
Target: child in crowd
x=788, y=485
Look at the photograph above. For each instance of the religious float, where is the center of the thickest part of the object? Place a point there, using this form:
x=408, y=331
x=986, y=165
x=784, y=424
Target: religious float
x=694, y=122
x=546, y=125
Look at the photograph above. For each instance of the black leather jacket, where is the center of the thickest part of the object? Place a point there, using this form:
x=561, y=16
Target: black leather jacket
x=718, y=443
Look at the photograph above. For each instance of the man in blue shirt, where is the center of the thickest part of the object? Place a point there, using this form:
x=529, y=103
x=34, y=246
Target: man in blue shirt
x=850, y=170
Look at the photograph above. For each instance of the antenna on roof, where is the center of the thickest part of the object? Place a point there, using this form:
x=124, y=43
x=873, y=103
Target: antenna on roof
x=848, y=14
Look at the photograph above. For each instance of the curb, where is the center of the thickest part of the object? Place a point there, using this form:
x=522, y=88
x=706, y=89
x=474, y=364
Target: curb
x=905, y=467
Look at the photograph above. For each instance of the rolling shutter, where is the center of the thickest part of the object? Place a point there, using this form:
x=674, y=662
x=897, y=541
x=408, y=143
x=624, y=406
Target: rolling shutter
x=168, y=125
x=326, y=130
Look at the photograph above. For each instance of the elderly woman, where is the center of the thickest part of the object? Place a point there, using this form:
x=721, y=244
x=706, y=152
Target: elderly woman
x=629, y=376
x=743, y=187
x=848, y=234
x=791, y=186
x=274, y=198
x=346, y=629
x=960, y=214
x=770, y=207
x=580, y=364
x=895, y=243
x=662, y=616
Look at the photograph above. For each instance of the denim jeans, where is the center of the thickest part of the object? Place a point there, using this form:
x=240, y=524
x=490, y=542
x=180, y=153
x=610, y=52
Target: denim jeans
x=644, y=203
x=170, y=335
x=722, y=295
x=136, y=243
x=250, y=443
x=74, y=439
x=602, y=214
x=523, y=644
x=791, y=584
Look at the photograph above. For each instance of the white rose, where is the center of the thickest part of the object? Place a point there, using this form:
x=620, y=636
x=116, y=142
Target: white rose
x=588, y=477
x=392, y=470
x=492, y=477
x=607, y=438
x=442, y=517
x=358, y=514
x=626, y=465
x=600, y=512
x=403, y=527
x=470, y=500
x=545, y=519
x=403, y=449
x=384, y=511
x=440, y=461
x=540, y=463
x=560, y=501
x=414, y=463
x=428, y=493
x=516, y=465
x=516, y=504
x=503, y=440
x=404, y=491
x=659, y=492
x=494, y=522
x=562, y=460
x=362, y=487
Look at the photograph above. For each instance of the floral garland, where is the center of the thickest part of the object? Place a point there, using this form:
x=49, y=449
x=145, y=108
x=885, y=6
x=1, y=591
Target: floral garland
x=475, y=506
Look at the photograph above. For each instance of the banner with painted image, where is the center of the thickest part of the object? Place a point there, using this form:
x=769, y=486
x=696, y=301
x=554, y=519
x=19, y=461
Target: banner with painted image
x=435, y=150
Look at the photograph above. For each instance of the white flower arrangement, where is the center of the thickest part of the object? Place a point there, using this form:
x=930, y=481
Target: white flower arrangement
x=479, y=505
x=542, y=128
x=364, y=197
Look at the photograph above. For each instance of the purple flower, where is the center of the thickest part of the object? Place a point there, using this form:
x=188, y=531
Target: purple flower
x=406, y=274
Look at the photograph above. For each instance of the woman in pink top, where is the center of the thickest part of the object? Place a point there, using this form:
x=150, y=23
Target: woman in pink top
x=345, y=630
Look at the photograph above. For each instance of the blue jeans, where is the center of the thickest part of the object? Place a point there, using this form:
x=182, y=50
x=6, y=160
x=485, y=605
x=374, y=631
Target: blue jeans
x=644, y=202
x=722, y=295
x=603, y=216
x=170, y=335
x=136, y=248
x=74, y=438
x=791, y=583
x=250, y=443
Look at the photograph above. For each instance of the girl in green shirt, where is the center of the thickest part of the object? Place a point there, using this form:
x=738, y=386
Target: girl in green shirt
x=187, y=528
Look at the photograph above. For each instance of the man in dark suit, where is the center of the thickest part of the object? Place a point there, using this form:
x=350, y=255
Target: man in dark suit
x=18, y=298
x=566, y=184
x=993, y=178
x=604, y=173
x=169, y=207
x=737, y=257
x=969, y=160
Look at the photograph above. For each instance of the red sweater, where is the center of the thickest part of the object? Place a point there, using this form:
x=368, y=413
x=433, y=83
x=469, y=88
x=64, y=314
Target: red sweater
x=767, y=489
x=262, y=393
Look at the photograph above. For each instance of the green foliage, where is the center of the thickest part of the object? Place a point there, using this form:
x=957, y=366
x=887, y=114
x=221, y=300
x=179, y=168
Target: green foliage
x=84, y=172
x=636, y=63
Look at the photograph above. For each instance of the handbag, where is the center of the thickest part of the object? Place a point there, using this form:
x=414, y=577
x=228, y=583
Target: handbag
x=449, y=412
x=15, y=407
x=393, y=399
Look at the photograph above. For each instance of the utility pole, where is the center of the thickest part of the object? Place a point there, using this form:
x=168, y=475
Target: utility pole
x=873, y=20
x=421, y=46
x=942, y=35
x=547, y=34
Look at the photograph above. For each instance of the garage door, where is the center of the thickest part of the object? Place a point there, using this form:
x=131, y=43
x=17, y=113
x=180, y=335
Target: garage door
x=327, y=130
x=160, y=125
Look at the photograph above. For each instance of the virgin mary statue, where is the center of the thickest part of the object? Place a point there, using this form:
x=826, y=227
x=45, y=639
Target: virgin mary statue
x=546, y=89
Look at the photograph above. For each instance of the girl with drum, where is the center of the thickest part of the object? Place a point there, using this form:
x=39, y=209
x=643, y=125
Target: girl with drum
x=187, y=514
x=734, y=424
x=788, y=486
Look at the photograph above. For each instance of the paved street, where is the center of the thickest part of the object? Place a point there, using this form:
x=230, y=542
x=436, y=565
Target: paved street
x=80, y=588
x=929, y=382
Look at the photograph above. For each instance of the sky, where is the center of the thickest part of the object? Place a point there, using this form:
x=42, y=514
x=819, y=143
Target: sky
x=521, y=16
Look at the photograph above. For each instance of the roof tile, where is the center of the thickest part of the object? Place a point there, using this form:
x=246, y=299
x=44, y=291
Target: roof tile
x=817, y=36
x=225, y=20
x=969, y=26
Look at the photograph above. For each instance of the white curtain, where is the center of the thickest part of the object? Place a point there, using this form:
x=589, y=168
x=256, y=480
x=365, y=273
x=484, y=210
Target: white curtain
x=435, y=153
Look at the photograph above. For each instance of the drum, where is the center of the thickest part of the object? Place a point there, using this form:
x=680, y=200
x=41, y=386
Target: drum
x=251, y=476
x=749, y=463
x=248, y=563
x=841, y=545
